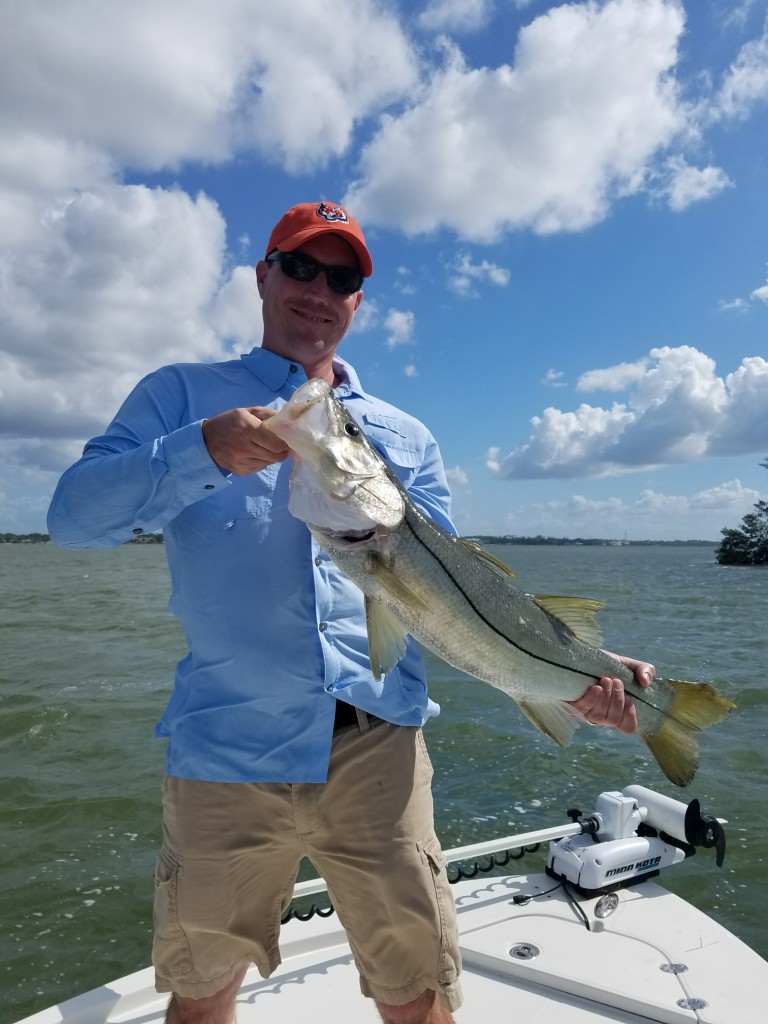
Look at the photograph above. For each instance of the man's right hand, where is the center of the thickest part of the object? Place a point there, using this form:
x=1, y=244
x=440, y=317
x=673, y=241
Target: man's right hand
x=239, y=443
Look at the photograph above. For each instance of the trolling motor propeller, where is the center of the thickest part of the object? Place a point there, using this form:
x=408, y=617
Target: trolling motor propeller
x=704, y=830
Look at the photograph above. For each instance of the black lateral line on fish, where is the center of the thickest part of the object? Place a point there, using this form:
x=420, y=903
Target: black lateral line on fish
x=490, y=625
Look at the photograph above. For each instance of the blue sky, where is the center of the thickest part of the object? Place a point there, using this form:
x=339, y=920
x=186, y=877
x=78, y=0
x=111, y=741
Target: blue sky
x=566, y=205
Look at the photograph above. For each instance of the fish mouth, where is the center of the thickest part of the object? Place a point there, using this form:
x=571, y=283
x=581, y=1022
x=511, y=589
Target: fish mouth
x=350, y=537
x=356, y=536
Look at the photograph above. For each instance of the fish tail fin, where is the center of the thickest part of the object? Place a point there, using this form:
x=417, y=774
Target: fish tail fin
x=675, y=746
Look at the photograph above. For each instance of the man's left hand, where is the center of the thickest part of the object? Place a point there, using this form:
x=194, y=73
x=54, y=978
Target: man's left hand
x=606, y=703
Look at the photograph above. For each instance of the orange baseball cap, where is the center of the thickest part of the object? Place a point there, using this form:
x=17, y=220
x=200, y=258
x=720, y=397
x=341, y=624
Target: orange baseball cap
x=307, y=220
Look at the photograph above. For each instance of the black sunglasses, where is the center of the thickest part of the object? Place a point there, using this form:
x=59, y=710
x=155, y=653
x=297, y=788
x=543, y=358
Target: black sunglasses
x=300, y=267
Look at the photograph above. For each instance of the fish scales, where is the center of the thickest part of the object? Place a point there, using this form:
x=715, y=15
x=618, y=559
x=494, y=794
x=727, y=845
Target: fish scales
x=459, y=588
x=457, y=599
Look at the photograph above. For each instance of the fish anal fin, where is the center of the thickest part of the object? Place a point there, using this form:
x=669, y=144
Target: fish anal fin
x=387, y=638
x=555, y=719
x=486, y=556
x=576, y=613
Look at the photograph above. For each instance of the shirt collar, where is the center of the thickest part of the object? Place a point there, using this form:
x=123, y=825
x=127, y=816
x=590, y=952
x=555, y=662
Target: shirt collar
x=273, y=370
x=277, y=373
x=349, y=383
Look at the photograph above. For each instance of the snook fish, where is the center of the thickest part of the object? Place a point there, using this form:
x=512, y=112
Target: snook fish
x=457, y=599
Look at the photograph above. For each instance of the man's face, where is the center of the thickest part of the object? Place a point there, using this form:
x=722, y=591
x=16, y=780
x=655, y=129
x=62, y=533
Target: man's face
x=305, y=321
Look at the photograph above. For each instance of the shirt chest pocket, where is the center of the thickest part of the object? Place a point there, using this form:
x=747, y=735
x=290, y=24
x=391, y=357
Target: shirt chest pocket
x=389, y=437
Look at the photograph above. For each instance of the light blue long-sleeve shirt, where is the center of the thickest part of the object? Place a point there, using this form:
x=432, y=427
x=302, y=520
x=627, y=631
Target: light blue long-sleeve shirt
x=276, y=633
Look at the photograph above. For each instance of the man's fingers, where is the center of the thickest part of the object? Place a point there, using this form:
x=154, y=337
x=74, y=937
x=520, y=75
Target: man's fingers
x=238, y=442
x=605, y=703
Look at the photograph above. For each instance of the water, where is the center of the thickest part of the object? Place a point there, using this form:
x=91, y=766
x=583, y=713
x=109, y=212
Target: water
x=88, y=649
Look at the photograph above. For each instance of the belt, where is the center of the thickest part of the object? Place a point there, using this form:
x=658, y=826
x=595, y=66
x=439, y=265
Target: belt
x=347, y=716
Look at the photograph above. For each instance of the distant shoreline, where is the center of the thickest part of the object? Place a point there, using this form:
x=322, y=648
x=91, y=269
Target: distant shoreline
x=481, y=538
x=43, y=538
x=587, y=541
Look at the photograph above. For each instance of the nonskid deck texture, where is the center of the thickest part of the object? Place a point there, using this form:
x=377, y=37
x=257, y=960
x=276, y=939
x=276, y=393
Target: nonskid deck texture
x=543, y=959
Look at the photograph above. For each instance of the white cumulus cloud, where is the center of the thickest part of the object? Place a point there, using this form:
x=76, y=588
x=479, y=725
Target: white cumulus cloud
x=746, y=81
x=646, y=516
x=122, y=279
x=677, y=410
x=687, y=185
x=457, y=477
x=455, y=15
x=399, y=325
x=101, y=280
x=465, y=274
x=575, y=119
x=153, y=84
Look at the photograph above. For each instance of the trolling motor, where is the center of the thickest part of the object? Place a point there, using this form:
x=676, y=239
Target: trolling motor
x=631, y=836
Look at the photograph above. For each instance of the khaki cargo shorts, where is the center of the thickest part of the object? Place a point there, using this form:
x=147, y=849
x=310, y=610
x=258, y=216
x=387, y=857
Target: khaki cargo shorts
x=231, y=852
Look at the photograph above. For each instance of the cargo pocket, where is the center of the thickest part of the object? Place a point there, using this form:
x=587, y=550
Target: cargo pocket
x=449, y=965
x=171, y=954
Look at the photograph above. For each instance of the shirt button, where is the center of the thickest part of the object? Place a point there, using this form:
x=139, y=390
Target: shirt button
x=294, y=368
x=329, y=688
x=208, y=487
x=318, y=560
x=138, y=530
x=323, y=626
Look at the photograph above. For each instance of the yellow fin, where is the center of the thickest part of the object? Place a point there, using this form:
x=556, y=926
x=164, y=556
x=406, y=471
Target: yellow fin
x=387, y=638
x=577, y=613
x=555, y=719
x=379, y=567
x=675, y=746
x=495, y=563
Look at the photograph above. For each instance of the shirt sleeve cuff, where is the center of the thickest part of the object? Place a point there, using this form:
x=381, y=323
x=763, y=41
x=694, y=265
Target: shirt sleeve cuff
x=186, y=456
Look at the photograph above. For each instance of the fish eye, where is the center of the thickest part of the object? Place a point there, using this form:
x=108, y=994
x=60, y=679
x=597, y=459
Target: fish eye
x=352, y=429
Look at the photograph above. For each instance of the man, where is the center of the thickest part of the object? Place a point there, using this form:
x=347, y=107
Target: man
x=280, y=742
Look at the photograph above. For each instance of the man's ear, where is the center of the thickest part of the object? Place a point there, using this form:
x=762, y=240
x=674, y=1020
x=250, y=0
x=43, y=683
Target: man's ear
x=262, y=269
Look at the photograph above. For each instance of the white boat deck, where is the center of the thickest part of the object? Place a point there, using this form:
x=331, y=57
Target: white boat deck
x=655, y=958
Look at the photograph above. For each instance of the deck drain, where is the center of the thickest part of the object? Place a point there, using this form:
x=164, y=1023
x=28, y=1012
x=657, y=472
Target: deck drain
x=524, y=951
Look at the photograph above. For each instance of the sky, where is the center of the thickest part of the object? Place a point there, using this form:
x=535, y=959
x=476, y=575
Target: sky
x=567, y=207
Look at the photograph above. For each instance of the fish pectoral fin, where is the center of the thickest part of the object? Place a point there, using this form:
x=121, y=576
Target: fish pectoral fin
x=379, y=566
x=556, y=719
x=479, y=550
x=387, y=638
x=576, y=613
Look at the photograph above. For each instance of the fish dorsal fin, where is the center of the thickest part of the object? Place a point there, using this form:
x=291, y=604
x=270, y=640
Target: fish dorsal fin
x=577, y=613
x=387, y=639
x=556, y=719
x=477, y=549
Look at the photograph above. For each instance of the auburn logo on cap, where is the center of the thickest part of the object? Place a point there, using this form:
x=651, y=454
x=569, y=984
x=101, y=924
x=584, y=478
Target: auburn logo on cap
x=334, y=214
